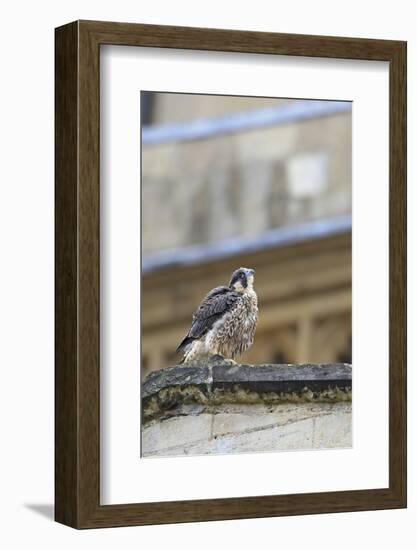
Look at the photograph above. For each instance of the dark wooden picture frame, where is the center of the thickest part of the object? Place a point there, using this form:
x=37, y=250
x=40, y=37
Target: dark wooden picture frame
x=77, y=372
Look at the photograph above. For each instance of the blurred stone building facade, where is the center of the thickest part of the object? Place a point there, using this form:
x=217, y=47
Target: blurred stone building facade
x=272, y=196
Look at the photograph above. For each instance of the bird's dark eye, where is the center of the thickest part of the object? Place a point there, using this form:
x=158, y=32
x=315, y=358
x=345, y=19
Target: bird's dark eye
x=242, y=275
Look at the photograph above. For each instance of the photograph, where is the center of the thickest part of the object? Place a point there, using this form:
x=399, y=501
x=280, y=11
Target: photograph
x=246, y=274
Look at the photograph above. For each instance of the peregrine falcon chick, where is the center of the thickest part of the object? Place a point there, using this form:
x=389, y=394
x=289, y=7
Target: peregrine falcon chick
x=225, y=321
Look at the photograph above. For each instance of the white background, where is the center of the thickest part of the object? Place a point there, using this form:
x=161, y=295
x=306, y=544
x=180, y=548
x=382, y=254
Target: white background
x=126, y=478
x=26, y=289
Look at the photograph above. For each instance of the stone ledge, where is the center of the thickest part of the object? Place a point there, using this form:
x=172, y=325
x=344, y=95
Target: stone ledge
x=206, y=385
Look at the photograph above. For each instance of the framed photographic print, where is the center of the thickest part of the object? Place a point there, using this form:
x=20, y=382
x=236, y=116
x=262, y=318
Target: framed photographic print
x=230, y=274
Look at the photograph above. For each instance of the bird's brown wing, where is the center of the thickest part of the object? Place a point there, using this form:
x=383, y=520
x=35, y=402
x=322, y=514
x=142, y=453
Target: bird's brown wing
x=217, y=302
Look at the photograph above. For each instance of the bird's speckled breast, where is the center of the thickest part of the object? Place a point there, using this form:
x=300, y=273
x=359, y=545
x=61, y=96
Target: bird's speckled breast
x=234, y=333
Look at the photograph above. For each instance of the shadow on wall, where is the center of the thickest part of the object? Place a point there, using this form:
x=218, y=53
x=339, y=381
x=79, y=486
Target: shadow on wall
x=45, y=510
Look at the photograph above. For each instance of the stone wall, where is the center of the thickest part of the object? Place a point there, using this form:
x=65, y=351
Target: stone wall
x=219, y=408
x=244, y=184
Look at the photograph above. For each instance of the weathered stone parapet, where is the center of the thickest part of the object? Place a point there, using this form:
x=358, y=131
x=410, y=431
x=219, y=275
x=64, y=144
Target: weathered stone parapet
x=217, y=407
x=216, y=382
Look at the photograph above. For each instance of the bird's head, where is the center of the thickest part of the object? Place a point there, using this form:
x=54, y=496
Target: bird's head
x=242, y=279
